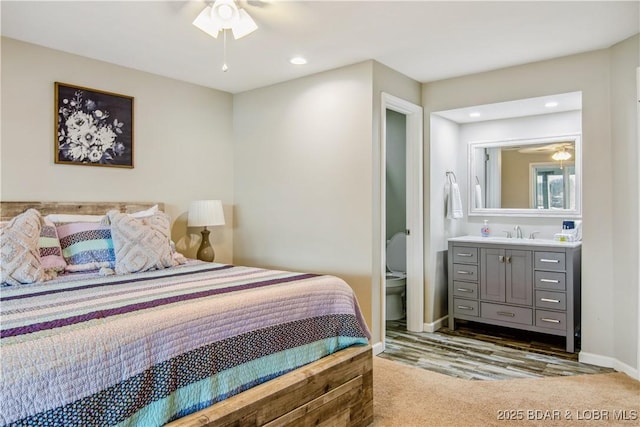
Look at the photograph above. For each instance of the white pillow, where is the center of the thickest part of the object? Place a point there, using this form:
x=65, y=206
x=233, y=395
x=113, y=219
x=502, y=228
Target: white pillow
x=141, y=244
x=19, y=257
x=64, y=218
x=145, y=213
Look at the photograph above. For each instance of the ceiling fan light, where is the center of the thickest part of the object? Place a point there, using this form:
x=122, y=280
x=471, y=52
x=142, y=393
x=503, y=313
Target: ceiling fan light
x=204, y=22
x=244, y=25
x=225, y=13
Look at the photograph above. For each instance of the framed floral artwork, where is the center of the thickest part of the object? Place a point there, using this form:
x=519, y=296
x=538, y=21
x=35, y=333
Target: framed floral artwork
x=93, y=127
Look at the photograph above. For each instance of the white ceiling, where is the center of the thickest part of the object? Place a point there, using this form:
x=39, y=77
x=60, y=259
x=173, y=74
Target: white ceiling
x=425, y=40
x=547, y=104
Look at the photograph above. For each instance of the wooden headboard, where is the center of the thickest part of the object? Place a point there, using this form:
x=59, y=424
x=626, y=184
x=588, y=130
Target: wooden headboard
x=10, y=209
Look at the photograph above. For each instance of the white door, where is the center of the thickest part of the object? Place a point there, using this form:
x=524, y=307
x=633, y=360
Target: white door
x=414, y=208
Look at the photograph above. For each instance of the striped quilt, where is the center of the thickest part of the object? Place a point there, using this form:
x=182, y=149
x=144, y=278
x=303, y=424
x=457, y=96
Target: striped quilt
x=148, y=348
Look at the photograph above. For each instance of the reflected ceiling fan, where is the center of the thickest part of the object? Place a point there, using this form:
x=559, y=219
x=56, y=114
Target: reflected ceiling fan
x=548, y=148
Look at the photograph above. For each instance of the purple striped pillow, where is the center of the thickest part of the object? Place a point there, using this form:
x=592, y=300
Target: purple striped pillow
x=49, y=248
x=86, y=246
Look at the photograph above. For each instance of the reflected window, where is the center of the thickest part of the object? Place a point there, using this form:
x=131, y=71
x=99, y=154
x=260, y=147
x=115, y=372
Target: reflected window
x=553, y=186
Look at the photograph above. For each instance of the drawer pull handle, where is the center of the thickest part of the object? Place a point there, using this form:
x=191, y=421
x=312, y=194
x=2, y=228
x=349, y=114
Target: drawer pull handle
x=464, y=272
x=549, y=281
x=554, y=261
x=550, y=300
x=467, y=255
x=506, y=313
x=501, y=258
x=465, y=307
x=464, y=290
x=544, y=319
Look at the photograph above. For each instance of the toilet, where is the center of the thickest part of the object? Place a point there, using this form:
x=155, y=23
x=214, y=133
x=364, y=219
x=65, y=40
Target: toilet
x=396, y=280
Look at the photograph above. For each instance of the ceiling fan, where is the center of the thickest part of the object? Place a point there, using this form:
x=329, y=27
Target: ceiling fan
x=225, y=15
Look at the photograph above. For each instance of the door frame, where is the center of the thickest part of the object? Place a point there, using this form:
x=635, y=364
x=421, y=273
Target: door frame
x=415, y=211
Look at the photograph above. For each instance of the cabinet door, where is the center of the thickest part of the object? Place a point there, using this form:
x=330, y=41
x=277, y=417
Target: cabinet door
x=519, y=277
x=492, y=278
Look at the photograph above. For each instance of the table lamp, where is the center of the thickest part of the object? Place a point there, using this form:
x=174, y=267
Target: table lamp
x=203, y=213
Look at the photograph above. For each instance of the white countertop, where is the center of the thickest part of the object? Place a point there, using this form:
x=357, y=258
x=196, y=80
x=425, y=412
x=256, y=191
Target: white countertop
x=515, y=241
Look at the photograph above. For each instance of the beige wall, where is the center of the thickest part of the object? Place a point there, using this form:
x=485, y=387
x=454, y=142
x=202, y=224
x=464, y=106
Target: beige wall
x=625, y=59
x=182, y=142
x=590, y=73
x=303, y=177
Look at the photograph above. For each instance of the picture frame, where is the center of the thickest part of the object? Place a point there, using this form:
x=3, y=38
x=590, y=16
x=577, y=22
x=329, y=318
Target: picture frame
x=92, y=127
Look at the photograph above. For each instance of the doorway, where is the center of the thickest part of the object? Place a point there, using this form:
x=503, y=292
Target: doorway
x=410, y=115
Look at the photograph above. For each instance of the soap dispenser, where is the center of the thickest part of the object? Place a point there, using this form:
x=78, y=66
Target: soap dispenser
x=484, y=231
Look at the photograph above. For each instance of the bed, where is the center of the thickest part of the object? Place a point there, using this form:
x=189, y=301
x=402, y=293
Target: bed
x=191, y=345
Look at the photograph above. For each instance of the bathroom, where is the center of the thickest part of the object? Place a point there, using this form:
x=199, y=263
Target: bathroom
x=507, y=124
x=396, y=212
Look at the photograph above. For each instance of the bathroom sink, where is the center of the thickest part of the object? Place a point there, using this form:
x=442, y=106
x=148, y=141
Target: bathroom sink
x=515, y=241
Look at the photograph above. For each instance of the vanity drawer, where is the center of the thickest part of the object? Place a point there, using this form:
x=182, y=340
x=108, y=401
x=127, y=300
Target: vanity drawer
x=465, y=255
x=550, y=261
x=465, y=307
x=507, y=313
x=552, y=300
x=551, y=320
x=465, y=289
x=465, y=272
x=550, y=280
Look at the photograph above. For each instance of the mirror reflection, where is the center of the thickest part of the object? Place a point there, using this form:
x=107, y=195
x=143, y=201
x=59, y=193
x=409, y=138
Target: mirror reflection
x=538, y=174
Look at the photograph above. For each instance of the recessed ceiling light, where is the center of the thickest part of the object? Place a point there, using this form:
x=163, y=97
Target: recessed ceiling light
x=474, y=114
x=298, y=60
x=551, y=104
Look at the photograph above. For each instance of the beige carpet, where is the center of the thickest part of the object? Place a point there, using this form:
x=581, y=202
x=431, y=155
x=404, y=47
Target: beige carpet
x=404, y=396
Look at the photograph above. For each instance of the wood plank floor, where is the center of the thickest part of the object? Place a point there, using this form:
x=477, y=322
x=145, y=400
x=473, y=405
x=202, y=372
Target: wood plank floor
x=484, y=352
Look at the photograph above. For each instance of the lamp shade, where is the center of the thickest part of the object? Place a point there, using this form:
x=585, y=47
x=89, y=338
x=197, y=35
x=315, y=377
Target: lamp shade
x=203, y=213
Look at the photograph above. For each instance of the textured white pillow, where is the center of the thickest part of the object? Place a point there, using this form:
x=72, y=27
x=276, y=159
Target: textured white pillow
x=65, y=218
x=20, y=260
x=145, y=213
x=141, y=244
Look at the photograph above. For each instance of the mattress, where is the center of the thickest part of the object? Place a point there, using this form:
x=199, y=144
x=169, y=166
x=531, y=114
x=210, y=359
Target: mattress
x=148, y=348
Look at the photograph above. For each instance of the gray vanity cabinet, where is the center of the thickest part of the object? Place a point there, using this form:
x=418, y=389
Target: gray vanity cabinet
x=520, y=284
x=506, y=276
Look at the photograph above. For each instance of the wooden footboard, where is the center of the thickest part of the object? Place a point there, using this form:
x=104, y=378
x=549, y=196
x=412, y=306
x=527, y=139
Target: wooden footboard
x=336, y=390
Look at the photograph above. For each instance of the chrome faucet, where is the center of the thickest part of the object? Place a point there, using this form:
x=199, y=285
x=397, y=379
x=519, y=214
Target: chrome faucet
x=518, y=231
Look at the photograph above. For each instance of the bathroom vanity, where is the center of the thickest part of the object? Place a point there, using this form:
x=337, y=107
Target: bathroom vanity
x=530, y=284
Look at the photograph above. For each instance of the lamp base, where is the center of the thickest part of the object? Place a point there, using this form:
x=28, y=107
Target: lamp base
x=205, y=251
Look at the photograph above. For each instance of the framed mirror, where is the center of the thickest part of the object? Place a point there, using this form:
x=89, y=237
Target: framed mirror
x=526, y=177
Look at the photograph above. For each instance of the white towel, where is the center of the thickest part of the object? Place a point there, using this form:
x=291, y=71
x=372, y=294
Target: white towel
x=478, y=196
x=454, y=202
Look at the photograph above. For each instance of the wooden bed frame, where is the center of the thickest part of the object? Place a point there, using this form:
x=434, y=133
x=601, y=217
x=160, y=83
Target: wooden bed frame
x=10, y=209
x=336, y=390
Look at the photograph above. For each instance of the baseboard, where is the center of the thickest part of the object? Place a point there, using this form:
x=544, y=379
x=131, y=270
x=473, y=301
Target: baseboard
x=434, y=326
x=378, y=348
x=608, y=362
